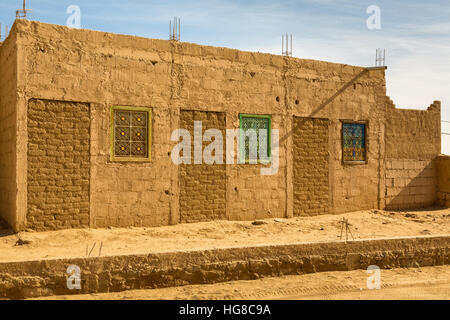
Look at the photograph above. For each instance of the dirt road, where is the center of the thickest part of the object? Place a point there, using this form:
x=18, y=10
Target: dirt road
x=413, y=283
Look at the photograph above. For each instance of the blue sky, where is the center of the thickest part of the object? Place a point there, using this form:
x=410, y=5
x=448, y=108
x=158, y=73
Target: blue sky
x=416, y=34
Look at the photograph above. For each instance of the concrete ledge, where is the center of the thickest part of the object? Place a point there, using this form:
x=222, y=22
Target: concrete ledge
x=28, y=279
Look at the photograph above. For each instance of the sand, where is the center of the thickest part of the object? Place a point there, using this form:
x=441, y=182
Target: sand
x=410, y=284
x=220, y=234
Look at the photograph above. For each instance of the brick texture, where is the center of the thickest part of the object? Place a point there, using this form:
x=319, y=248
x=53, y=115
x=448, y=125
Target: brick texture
x=413, y=134
x=413, y=141
x=410, y=183
x=202, y=186
x=310, y=148
x=58, y=165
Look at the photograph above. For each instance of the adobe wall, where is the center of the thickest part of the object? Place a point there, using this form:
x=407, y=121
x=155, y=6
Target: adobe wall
x=8, y=121
x=443, y=173
x=337, y=93
x=413, y=141
x=311, y=167
x=103, y=70
x=202, y=186
x=58, y=165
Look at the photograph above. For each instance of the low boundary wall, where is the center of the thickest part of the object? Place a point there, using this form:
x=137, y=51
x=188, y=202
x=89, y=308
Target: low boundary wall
x=28, y=279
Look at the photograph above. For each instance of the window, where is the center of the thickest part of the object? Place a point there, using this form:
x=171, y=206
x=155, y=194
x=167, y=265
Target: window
x=354, y=142
x=255, y=138
x=131, y=134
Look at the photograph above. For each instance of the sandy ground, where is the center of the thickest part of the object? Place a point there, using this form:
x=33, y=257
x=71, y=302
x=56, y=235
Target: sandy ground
x=220, y=234
x=404, y=284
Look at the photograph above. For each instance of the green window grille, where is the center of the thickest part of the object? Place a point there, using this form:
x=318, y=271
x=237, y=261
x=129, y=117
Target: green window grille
x=354, y=142
x=130, y=133
x=260, y=134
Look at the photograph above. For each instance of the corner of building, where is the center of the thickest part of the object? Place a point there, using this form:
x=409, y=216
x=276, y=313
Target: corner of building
x=8, y=129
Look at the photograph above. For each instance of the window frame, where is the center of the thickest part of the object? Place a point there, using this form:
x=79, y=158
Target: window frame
x=242, y=159
x=366, y=144
x=113, y=157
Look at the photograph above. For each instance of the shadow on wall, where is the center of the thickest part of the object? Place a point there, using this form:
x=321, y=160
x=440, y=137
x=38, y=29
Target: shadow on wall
x=443, y=192
x=5, y=228
x=411, y=184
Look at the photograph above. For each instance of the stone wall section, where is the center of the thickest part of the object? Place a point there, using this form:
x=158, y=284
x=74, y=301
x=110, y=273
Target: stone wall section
x=311, y=166
x=202, y=186
x=410, y=183
x=413, y=142
x=58, y=165
x=132, y=193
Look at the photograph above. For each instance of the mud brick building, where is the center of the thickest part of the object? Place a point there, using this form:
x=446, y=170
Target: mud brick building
x=86, y=120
